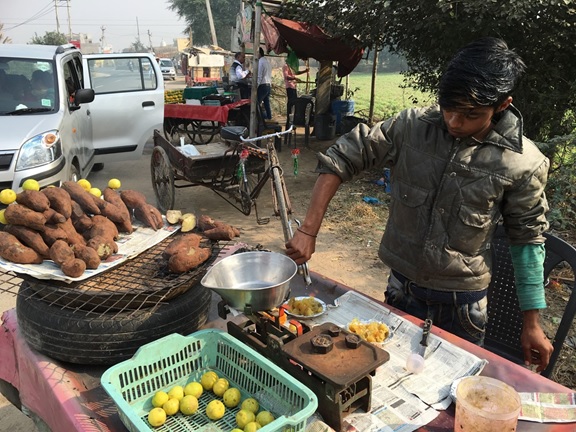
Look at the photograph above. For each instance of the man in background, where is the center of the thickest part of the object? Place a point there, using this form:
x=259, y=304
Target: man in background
x=264, y=84
x=240, y=76
x=290, y=81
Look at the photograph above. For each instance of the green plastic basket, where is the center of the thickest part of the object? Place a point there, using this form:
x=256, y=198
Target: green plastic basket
x=177, y=360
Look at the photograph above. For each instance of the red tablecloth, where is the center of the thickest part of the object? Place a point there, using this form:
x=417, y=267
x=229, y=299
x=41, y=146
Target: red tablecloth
x=70, y=398
x=202, y=112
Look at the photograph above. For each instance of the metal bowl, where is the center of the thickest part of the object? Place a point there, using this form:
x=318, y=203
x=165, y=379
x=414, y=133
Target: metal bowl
x=259, y=280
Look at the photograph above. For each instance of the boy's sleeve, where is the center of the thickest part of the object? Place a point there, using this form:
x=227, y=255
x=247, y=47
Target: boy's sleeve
x=528, y=261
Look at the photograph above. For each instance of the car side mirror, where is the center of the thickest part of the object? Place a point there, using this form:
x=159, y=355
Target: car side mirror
x=84, y=96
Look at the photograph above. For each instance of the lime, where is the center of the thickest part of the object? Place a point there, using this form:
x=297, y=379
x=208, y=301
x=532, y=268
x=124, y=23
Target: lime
x=176, y=392
x=188, y=405
x=160, y=398
x=252, y=427
x=171, y=406
x=96, y=192
x=194, y=388
x=85, y=184
x=244, y=417
x=231, y=397
x=251, y=404
x=264, y=417
x=114, y=183
x=236, y=430
x=7, y=196
x=157, y=417
x=31, y=184
x=208, y=380
x=215, y=410
x=220, y=386
x=2, y=217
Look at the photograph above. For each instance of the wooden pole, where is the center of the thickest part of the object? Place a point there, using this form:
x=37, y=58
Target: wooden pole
x=373, y=87
x=255, y=46
x=211, y=22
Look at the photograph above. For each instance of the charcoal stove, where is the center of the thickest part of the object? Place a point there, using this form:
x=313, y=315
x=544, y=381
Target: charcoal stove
x=335, y=364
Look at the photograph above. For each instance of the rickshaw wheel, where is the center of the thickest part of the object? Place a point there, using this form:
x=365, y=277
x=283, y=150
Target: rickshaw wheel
x=162, y=179
x=202, y=132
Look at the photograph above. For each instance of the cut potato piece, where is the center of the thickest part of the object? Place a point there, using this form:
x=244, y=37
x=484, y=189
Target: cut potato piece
x=173, y=216
x=188, y=221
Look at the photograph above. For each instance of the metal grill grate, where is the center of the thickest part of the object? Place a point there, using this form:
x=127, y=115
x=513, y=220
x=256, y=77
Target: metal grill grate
x=142, y=282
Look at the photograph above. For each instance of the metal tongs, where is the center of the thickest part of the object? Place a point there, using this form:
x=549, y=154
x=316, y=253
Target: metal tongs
x=302, y=268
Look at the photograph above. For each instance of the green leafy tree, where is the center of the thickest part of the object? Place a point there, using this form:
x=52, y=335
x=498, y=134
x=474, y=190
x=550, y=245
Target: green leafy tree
x=427, y=33
x=4, y=39
x=138, y=46
x=195, y=14
x=50, y=38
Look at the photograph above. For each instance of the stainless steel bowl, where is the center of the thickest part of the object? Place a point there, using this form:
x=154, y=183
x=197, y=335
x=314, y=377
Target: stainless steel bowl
x=260, y=280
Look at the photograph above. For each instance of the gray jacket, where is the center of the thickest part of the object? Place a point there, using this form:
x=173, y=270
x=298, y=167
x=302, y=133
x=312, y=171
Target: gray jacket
x=448, y=194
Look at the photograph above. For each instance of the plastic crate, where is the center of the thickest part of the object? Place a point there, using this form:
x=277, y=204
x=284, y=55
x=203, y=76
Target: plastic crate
x=177, y=360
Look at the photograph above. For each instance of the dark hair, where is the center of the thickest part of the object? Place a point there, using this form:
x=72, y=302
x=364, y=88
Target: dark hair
x=237, y=55
x=483, y=73
x=261, y=52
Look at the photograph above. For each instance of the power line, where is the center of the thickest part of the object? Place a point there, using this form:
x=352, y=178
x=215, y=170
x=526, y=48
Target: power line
x=42, y=12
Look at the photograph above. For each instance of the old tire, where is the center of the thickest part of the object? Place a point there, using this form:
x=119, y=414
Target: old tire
x=87, y=338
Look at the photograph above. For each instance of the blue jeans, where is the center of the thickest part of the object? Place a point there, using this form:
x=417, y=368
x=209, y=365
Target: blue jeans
x=264, y=96
x=465, y=320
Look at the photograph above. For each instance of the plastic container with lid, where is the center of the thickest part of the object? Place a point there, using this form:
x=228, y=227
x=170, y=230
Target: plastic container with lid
x=486, y=404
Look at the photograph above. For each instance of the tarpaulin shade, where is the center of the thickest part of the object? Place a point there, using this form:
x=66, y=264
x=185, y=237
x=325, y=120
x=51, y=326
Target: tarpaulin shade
x=310, y=41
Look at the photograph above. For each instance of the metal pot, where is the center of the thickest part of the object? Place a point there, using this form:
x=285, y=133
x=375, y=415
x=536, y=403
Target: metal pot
x=259, y=280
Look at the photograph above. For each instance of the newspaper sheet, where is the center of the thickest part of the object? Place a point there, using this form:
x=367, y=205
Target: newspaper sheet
x=129, y=246
x=402, y=401
x=548, y=407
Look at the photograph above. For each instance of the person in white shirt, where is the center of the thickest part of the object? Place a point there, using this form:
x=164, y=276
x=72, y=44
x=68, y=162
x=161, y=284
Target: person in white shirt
x=264, y=83
x=240, y=76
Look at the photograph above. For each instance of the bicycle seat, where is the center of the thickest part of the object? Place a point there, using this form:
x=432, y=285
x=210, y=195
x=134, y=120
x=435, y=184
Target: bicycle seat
x=233, y=133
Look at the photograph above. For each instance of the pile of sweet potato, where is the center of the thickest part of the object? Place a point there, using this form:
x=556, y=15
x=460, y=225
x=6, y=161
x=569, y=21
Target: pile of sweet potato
x=70, y=226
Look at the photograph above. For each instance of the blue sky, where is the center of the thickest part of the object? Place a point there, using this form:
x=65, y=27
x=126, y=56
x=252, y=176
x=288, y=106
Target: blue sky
x=22, y=19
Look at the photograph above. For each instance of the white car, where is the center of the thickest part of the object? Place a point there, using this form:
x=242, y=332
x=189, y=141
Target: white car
x=64, y=114
x=167, y=68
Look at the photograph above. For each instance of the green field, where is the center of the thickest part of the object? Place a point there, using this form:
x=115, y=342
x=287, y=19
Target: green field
x=390, y=97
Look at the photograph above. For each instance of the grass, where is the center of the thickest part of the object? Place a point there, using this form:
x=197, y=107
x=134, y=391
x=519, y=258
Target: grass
x=390, y=96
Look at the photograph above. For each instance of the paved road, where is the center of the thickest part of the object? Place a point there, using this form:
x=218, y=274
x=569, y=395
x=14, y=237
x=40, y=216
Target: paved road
x=12, y=419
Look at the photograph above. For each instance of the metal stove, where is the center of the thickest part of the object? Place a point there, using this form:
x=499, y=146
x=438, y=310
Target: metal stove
x=335, y=364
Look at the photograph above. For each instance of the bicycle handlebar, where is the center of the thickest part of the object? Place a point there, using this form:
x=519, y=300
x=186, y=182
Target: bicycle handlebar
x=263, y=137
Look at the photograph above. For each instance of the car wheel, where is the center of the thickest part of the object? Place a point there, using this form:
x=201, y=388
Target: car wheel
x=98, y=167
x=89, y=338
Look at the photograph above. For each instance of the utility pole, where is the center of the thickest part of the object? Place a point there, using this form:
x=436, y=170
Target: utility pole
x=211, y=21
x=138, y=31
x=103, y=29
x=57, y=19
x=150, y=41
x=69, y=22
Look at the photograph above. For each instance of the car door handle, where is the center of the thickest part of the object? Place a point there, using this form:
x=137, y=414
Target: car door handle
x=147, y=104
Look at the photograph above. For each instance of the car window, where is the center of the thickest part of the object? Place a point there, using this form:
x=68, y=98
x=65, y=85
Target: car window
x=27, y=84
x=115, y=75
x=166, y=63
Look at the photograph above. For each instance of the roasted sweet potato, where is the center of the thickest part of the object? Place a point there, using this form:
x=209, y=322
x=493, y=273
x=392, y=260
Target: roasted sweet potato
x=72, y=236
x=113, y=197
x=29, y=237
x=112, y=212
x=81, y=221
x=205, y=223
x=73, y=268
x=34, y=200
x=104, y=246
x=133, y=199
x=149, y=216
x=104, y=227
x=223, y=232
x=50, y=233
x=12, y=250
x=181, y=244
x=59, y=200
x=186, y=261
x=53, y=217
x=61, y=252
x=17, y=214
x=87, y=254
x=82, y=197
